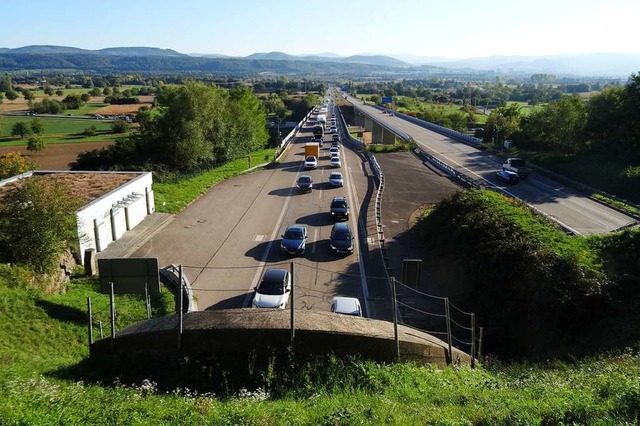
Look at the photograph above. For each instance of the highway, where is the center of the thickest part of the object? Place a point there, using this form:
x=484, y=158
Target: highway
x=227, y=238
x=568, y=206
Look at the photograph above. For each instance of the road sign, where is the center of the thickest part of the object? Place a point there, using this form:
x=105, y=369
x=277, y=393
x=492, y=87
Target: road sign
x=387, y=100
x=129, y=275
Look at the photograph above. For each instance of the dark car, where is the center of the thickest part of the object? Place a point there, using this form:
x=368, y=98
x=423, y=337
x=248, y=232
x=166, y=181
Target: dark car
x=341, y=240
x=304, y=183
x=294, y=240
x=339, y=208
x=507, y=176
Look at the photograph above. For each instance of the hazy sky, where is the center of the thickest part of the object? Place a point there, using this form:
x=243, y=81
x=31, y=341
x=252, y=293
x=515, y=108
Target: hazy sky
x=451, y=28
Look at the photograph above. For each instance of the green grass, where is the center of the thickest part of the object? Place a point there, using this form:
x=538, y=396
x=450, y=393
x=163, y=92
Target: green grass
x=172, y=197
x=380, y=148
x=47, y=378
x=58, y=130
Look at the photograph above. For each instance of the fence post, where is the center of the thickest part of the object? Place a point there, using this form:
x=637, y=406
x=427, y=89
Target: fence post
x=89, y=321
x=112, y=305
x=480, y=343
x=448, y=318
x=473, y=340
x=181, y=303
x=395, y=318
x=293, y=302
x=100, y=327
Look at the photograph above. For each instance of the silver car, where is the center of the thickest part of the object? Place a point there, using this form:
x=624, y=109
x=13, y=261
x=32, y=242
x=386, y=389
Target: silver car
x=335, y=179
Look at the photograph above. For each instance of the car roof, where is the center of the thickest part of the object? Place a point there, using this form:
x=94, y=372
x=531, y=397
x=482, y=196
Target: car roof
x=342, y=226
x=274, y=274
x=335, y=175
x=346, y=305
x=339, y=199
x=510, y=172
x=295, y=228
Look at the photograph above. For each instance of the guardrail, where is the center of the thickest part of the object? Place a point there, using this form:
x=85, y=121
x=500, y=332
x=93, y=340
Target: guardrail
x=481, y=184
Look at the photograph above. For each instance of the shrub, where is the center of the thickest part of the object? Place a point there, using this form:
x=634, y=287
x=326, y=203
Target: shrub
x=13, y=163
x=37, y=223
x=120, y=126
x=90, y=131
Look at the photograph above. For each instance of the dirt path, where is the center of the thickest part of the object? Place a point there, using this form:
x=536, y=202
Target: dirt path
x=56, y=156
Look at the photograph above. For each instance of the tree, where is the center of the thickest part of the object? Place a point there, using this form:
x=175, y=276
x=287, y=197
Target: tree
x=59, y=92
x=85, y=97
x=37, y=223
x=90, y=131
x=28, y=95
x=95, y=92
x=504, y=121
x=21, y=129
x=107, y=91
x=35, y=144
x=37, y=127
x=48, y=89
x=558, y=126
x=120, y=126
x=11, y=94
x=72, y=101
x=6, y=83
x=13, y=163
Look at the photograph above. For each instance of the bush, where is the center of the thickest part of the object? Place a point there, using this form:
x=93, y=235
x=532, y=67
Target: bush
x=13, y=163
x=90, y=131
x=37, y=223
x=120, y=126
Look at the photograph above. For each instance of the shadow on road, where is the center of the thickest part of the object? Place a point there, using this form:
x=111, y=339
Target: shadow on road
x=230, y=303
x=316, y=219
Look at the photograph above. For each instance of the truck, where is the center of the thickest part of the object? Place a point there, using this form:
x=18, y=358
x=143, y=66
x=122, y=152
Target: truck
x=312, y=148
x=517, y=165
x=321, y=120
x=318, y=131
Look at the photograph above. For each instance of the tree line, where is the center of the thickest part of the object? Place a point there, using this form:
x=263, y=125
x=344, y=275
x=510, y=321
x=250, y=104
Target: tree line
x=195, y=126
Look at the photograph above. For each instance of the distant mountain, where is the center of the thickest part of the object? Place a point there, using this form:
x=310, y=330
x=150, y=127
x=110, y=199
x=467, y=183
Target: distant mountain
x=597, y=64
x=116, y=51
x=137, y=51
x=209, y=55
x=357, y=59
x=272, y=56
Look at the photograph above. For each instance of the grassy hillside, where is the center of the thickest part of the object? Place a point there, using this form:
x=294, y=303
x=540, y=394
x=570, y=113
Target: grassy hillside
x=45, y=378
x=538, y=292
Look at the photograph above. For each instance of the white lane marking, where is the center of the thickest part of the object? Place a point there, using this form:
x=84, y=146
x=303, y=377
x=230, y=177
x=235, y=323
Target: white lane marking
x=358, y=226
x=263, y=261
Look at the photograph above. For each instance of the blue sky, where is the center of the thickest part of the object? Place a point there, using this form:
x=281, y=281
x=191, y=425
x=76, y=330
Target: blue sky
x=450, y=28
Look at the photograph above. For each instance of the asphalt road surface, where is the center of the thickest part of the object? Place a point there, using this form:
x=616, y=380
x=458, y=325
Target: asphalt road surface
x=227, y=238
x=572, y=208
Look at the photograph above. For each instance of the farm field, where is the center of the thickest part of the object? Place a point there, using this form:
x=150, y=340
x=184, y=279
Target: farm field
x=56, y=156
x=58, y=130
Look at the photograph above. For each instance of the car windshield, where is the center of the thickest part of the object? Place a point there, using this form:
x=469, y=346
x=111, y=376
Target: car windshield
x=311, y=158
x=339, y=204
x=271, y=287
x=342, y=236
x=293, y=234
x=335, y=176
x=304, y=179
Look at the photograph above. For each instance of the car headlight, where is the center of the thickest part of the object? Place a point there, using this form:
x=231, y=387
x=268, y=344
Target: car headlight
x=333, y=247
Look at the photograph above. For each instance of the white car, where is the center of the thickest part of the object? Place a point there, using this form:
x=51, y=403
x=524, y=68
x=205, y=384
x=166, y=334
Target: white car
x=335, y=161
x=335, y=179
x=334, y=151
x=346, y=306
x=311, y=162
x=274, y=289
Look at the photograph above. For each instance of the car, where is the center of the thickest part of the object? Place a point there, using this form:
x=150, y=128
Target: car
x=507, y=176
x=334, y=150
x=341, y=240
x=304, y=183
x=339, y=208
x=346, y=306
x=335, y=137
x=294, y=240
x=336, y=180
x=335, y=162
x=333, y=129
x=273, y=290
x=311, y=162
